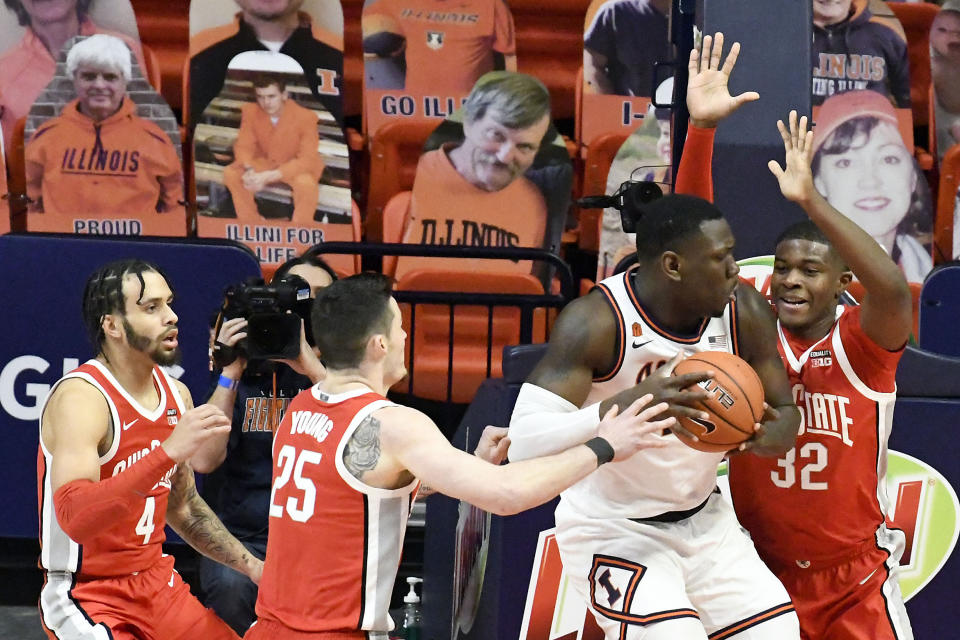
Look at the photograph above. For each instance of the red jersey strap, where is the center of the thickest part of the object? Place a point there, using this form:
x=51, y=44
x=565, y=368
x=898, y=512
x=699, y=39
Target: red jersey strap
x=82, y=506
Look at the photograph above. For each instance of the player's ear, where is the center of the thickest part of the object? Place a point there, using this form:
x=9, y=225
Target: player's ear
x=845, y=279
x=670, y=264
x=378, y=342
x=112, y=325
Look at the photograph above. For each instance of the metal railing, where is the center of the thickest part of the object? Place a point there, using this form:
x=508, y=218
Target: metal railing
x=527, y=304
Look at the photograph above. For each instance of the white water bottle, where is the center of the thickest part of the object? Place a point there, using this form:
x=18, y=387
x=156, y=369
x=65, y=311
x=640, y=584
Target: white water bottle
x=412, y=616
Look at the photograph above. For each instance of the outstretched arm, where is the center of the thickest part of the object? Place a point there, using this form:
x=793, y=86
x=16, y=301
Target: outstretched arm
x=708, y=102
x=886, y=314
x=409, y=440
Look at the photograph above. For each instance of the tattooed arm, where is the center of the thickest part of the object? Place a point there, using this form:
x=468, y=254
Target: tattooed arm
x=363, y=450
x=195, y=522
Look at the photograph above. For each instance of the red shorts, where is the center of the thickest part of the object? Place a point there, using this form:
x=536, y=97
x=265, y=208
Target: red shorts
x=271, y=630
x=155, y=604
x=855, y=599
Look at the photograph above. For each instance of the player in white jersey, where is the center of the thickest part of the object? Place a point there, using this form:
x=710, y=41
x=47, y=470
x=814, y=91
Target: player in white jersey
x=650, y=545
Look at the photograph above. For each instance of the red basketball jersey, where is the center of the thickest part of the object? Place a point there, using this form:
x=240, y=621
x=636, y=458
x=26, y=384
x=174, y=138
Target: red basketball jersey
x=334, y=543
x=131, y=543
x=827, y=495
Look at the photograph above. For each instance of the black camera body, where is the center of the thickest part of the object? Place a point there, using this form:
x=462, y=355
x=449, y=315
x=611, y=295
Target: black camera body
x=629, y=199
x=273, y=313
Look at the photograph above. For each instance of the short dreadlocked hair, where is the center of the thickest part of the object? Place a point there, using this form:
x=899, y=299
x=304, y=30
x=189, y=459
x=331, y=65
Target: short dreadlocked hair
x=103, y=294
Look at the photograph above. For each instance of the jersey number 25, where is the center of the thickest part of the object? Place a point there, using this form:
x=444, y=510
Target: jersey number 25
x=292, y=465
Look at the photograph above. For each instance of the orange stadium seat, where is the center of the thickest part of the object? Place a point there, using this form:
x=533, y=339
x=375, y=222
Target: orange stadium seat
x=916, y=19
x=152, y=70
x=600, y=155
x=394, y=153
x=946, y=202
x=550, y=46
x=430, y=332
x=164, y=27
x=394, y=221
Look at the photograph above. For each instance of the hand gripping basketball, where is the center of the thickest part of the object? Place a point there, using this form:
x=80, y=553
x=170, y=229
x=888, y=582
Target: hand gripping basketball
x=734, y=401
x=632, y=430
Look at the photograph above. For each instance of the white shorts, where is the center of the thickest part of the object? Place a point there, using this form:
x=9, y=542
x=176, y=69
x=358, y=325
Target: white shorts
x=634, y=574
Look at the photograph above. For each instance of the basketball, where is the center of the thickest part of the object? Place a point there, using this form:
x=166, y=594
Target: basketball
x=735, y=401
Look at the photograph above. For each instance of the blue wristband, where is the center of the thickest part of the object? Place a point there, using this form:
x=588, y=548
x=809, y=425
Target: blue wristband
x=227, y=383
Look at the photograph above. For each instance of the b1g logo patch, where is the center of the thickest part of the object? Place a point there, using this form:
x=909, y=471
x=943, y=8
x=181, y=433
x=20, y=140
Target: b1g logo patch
x=435, y=39
x=821, y=358
x=171, y=416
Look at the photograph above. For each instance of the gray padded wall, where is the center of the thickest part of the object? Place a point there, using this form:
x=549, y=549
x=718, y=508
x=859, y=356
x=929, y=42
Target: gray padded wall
x=775, y=61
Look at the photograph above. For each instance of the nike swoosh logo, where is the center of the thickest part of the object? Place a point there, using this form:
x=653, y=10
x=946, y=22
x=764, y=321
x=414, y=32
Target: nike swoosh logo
x=864, y=581
x=127, y=425
x=637, y=345
x=708, y=426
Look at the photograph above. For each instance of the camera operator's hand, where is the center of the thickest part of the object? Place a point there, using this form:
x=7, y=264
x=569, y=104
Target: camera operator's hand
x=226, y=355
x=307, y=362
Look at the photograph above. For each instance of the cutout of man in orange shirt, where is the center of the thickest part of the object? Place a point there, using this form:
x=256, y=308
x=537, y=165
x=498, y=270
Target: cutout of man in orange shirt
x=27, y=67
x=99, y=158
x=277, y=143
x=475, y=193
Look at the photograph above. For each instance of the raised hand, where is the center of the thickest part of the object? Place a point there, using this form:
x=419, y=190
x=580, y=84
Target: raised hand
x=708, y=95
x=796, y=179
x=633, y=430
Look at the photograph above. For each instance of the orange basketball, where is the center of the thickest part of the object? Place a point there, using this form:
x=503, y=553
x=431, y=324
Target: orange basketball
x=735, y=401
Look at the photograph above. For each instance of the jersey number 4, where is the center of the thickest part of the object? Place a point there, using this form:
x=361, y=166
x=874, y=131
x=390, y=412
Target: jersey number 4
x=292, y=465
x=816, y=453
x=145, y=523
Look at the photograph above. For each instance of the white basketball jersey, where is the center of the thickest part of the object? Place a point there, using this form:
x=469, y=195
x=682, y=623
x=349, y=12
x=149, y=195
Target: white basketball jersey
x=653, y=481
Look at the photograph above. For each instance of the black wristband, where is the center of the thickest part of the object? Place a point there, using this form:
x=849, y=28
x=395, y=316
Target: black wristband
x=602, y=448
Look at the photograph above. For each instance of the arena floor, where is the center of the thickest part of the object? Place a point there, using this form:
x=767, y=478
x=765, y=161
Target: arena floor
x=20, y=623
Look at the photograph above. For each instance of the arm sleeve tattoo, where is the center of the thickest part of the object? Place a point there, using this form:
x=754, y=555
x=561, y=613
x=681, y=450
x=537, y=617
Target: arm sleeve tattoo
x=195, y=522
x=363, y=450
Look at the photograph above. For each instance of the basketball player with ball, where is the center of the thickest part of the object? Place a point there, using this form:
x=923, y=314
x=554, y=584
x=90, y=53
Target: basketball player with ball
x=648, y=542
x=817, y=514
